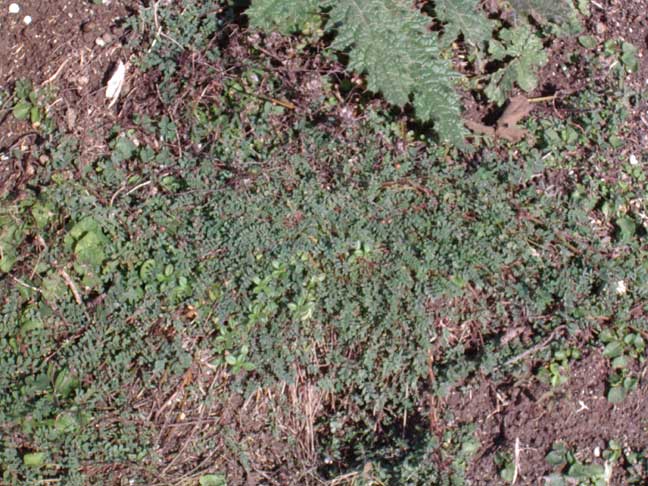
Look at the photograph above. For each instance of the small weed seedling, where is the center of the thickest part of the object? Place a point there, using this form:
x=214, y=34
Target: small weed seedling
x=576, y=472
x=30, y=105
x=622, y=348
x=556, y=371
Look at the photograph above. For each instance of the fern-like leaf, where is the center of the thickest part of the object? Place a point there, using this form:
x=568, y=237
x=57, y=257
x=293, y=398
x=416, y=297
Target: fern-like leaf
x=392, y=44
x=285, y=16
x=462, y=17
x=548, y=10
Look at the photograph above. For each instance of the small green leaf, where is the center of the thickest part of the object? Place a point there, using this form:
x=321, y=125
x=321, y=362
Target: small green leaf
x=613, y=349
x=168, y=270
x=31, y=325
x=124, y=148
x=170, y=183
x=639, y=343
x=606, y=335
x=583, y=7
x=83, y=226
x=146, y=270
x=627, y=226
x=559, y=454
x=629, y=383
x=65, y=383
x=616, y=394
x=556, y=457
x=585, y=471
x=526, y=78
x=629, y=57
x=35, y=115
x=619, y=362
x=21, y=110
x=34, y=459
x=470, y=446
x=526, y=53
x=588, y=41
x=7, y=259
x=213, y=480
x=89, y=249
x=53, y=287
x=507, y=473
x=42, y=214
x=65, y=423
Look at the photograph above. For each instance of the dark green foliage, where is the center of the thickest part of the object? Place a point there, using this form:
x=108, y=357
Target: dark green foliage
x=463, y=17
x=394, y=46
x=308, y=256
x=524, y=53
x=336, y=282
x=286, y=17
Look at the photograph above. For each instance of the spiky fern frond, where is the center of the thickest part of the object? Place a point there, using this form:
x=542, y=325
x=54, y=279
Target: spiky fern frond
x=463, y=17
x=392, y=43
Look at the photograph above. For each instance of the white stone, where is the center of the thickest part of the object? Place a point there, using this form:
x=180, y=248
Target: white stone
x=115, y=83
x=621, y=287
x=14, y=8
x=634, y=160
x=27, y=20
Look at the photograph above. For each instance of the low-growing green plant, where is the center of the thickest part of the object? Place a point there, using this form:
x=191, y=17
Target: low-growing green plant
x=29, y=104
x=622, y=348
x=403, y=59
x=523, y=50
x=289, y=254
x=556, y=371
x=506, y=466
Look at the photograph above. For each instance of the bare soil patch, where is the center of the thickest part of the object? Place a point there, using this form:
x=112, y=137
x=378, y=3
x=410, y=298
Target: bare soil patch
x=68, y=48
x=539, y=416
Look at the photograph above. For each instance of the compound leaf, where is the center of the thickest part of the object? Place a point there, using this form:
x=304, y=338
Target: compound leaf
x=462, y=17
x=524, y=52
x=284, y=16
x=392, y=44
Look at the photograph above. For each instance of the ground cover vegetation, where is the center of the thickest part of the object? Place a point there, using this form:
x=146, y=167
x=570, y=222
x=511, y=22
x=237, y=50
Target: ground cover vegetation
x=270, y=274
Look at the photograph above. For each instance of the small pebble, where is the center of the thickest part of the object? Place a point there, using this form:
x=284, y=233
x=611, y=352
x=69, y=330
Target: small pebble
x=88, y=27
x=100, y=42
x=14, y=8
x=27, y=20
x=634, y=160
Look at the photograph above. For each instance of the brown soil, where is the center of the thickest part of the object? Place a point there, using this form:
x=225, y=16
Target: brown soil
x=578, y=414
x=68, y=50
